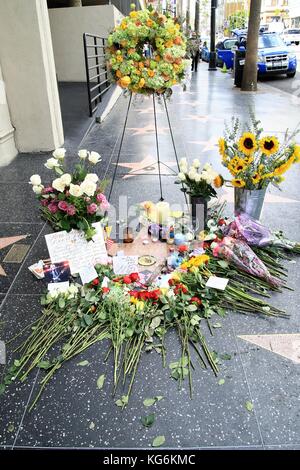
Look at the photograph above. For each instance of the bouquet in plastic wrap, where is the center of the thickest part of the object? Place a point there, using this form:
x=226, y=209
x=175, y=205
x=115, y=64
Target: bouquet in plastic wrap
x=241, y=255
x=245, y=228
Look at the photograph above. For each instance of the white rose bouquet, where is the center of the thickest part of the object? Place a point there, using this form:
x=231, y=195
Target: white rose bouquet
x=197, y=182
x=72, y=201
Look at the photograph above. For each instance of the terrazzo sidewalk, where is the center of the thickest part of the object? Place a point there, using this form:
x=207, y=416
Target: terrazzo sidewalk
x=216, y=417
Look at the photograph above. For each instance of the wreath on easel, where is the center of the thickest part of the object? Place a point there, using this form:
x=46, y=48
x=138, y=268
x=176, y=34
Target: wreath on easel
x=146, y=52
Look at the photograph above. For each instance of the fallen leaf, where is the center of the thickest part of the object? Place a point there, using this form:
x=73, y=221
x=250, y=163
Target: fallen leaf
x=158, y=441
x=149, y=401
x=249, y=406
x=147, y=421
x=100, y=381
x=83, y=363
x=221, y=381
x=92, y=425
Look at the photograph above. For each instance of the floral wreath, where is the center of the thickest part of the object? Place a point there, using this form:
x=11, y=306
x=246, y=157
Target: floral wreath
x=155, y=69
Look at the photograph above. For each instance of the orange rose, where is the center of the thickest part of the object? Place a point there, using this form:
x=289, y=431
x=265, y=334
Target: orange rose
x=151, y=73
x=118, y=74
x=125, y=81
x=149, y=23
x=119, y=58
x=178, y=40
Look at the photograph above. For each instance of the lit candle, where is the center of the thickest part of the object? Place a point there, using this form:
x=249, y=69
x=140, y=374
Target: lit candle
x=163, y=212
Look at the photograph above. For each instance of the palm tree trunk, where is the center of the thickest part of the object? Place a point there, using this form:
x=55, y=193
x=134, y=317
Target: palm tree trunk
x=250, y=70
x=197, y=16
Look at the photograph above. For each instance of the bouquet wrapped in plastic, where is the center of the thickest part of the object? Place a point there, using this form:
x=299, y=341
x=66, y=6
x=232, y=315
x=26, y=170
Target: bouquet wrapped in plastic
x=245, y=228
x=241, y=255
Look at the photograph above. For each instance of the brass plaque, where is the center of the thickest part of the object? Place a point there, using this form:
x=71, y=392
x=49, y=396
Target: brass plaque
x=17, y=253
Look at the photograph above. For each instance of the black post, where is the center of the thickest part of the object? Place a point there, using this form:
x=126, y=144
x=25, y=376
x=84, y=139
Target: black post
x=213, y=55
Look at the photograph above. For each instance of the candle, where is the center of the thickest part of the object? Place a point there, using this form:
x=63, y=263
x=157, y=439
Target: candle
x=163, y=212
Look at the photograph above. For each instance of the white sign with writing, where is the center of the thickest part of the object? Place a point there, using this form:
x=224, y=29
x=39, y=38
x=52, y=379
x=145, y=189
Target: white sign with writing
x=125, y=264
x=74, y=247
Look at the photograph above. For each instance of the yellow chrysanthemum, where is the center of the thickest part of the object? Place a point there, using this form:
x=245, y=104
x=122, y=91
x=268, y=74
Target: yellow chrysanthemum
x=238, y=183
x=269, y=145
x=222, y=147
x=247, y=143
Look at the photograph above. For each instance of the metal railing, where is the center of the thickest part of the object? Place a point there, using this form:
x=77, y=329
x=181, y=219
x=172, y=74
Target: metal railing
x=96, y=69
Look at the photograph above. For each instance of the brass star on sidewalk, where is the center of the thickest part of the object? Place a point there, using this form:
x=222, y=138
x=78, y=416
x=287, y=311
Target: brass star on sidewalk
x=147, y=130
x=4, y=242
x=148, y=165
x=210, y=144
x=285, y=345
x=148, y=110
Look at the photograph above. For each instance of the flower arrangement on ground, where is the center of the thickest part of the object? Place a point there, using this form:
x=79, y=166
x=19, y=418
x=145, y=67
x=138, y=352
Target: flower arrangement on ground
x=196, y=182
x=72, y=201
x=146, y=52
x=253, y=159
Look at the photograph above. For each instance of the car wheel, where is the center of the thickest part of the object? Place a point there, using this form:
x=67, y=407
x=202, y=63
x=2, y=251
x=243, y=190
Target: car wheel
x=291, y=74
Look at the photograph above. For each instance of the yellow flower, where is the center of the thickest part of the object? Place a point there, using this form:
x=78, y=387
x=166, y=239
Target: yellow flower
x=296, y=154
x=261, y=167
x=267, y=175
x=118, y=74
x=169, y=43
x=202, y=235
x=140, y=305
x=123, y=25
x=284, y=167
x=218, y=181
x=256, y=178
x=222, y=147
x=133, y=300
x=133, y=14
x=141, y=82
x=119, y=58
x=194, y=270
x=240, y=166
x=247, y=143
x=269, y=145
x=125, y=81
x=176, y=276
x=238, y=183
x=200, y=260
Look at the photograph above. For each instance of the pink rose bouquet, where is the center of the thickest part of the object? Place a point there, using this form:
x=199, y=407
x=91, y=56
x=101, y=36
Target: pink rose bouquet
x=72, y=201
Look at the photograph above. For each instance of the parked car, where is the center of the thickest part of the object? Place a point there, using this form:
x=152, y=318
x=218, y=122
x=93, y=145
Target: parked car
x=274, y=56
x=291, y=36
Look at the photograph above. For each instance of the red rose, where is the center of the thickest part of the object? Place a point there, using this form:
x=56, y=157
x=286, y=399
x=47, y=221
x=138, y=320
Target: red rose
x=133, y=293
x=127, y=280
x=134, y=277
x=206, y=245
x=184, y=290
x=105, y=290
x=221, y=222
x=171, y=282
x=196, y=300
x=95, y=282
x=182, y=248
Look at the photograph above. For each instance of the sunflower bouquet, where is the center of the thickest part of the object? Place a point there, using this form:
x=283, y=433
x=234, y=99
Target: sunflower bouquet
x=253, y=159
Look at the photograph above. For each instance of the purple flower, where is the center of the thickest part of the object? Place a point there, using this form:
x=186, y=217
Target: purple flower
x=92, y=208
x=63, y=206
x=53, y=207
x=71, y=210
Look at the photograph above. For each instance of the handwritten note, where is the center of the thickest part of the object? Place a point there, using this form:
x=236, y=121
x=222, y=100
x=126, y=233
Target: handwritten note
x=74, y=247
x=125, y=264
x=87, y=274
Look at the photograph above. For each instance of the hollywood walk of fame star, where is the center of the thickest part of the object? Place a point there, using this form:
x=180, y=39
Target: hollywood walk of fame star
x=228, y=196
x=148, y=165
x=147, y=130
x=4, y=242
x=286, y=345
x=205, y=118
x=194, y=104
x=148, y=110
x=210, y=144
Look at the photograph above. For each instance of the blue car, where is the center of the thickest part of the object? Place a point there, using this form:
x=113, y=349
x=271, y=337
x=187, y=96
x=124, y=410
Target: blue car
x=274, y=56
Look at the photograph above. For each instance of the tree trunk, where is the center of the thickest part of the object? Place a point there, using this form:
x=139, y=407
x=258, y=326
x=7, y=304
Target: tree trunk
x=197, y=16
x=250, y=69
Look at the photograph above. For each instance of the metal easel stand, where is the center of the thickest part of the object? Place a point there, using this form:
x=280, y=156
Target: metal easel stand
x=158, y=161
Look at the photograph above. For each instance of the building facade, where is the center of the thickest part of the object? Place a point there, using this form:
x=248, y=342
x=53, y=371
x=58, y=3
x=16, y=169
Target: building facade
x=275, y=10
x=294, y=10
